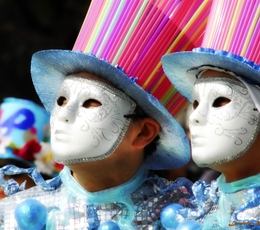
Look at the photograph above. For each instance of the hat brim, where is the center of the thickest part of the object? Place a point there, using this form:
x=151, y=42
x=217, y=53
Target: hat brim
x=49, y=68
x=178, y=66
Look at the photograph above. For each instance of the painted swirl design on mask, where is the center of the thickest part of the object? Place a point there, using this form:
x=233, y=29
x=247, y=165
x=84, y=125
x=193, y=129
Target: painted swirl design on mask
x=237, y=120
x=102, y=125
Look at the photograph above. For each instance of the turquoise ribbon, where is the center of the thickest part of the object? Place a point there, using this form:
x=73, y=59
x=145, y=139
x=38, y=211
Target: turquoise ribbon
x=120, y=194
x=249, y=182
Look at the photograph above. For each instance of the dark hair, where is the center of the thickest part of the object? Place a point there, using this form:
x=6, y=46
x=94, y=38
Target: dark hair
x=18, y=163
x=139, y=114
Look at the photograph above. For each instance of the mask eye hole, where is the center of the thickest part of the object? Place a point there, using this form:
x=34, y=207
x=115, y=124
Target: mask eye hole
x=91, y=103
x=220, y=101
x=62, y=101
x=195, y=104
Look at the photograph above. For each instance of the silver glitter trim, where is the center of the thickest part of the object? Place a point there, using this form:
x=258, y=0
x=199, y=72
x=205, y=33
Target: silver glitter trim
x=67, y=211
x=248, y=145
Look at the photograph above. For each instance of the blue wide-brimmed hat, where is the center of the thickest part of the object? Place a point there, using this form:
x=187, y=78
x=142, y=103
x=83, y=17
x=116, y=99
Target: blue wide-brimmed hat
x=230, y=43
x=49, y=69
x=181, y=68
x=122, y=42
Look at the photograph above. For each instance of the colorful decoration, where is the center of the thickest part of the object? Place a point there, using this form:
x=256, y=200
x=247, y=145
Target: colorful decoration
x=30, y=214
x=238, y=30
x=137, y=204
x=128, y=34
x=168, y=216
x=28, y=151
x=122, y=42
x=108, y=225
x=24, y=135
x=231, y=44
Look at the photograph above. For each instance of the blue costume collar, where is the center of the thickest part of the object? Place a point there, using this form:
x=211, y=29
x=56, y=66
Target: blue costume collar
x=115, y=194
x=238, y=185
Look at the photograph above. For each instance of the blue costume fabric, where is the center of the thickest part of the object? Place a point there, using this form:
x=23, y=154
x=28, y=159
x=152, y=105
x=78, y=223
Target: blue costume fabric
x=61, y=203
x=222, y=205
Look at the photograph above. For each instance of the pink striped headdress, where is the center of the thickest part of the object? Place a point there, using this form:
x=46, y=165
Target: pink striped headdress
x=123, y=41
x=231, y=43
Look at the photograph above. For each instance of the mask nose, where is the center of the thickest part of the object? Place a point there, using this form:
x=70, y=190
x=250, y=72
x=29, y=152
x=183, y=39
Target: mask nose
x=67, y=113
x=199, y=115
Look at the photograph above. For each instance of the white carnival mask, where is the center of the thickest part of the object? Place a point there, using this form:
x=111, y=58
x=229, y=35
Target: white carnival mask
x=224, y=123
x=87, y=122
